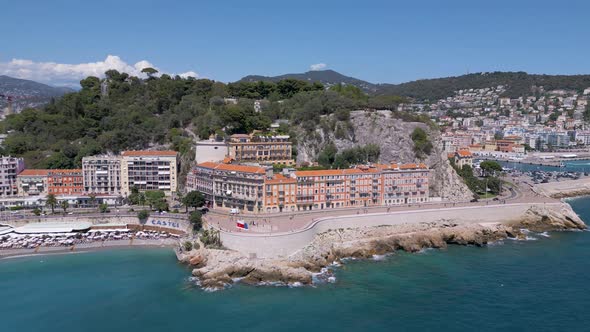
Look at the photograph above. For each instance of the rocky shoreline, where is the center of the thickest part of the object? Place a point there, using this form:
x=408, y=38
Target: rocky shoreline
x=215, y=269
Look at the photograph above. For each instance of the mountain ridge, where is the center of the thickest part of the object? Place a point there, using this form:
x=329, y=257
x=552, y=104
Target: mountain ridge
x=519, y=83
x=27, y=93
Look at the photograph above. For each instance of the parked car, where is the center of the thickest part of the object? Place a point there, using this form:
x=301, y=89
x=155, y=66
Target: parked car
x=474, y=200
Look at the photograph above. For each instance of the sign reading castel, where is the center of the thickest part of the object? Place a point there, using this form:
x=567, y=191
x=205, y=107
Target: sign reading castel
x=165, y=223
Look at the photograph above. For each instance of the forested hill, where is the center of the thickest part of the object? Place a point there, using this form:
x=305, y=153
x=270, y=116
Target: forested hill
x=123, y=112
x=326, y=77
x=518, y=83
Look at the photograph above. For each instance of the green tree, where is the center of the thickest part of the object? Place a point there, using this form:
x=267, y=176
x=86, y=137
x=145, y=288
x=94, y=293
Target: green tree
x=92, y=199
x=149, y=71
x=156, y=200
x=195, y=219
x=422, y=145
x=65, y=205
x=490, y=167
x=194, y=199
x=143, y=215
x=51, y=202
x=103, y=208
x=328, y=155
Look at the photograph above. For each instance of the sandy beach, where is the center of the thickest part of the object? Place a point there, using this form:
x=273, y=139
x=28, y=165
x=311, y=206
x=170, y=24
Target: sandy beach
x=85, y=247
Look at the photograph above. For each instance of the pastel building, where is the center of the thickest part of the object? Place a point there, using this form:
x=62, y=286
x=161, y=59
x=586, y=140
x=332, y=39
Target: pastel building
x=256, y=189
x=260, y=148
x=10, y=167
x=65, y=182
x=229, y=186
x=32, y=182
x=149, y=170
x=102, y=174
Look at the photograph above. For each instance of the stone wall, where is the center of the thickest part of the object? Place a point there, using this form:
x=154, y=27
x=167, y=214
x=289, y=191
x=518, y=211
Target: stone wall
x=174, y=224
x=285, y=244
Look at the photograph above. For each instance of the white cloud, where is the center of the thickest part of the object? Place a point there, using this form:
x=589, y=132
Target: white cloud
x=318, y=66
x=189, y=74
x=70, y=74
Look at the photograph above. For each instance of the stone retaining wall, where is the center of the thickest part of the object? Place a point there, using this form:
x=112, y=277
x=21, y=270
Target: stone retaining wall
x=285, y=244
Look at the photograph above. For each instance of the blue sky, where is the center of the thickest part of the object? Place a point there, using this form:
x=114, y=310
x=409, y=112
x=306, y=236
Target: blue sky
x=378, y=41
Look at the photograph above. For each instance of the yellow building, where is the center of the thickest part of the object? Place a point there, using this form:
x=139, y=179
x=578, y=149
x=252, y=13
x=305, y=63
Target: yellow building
x=149, y=170
x=260, y=148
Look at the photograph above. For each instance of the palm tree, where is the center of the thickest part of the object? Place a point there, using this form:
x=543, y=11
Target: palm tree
x=65, y=205
x=92, y=199
x=51, y=202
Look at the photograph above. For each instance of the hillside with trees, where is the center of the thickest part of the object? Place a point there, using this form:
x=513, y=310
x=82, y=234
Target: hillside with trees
x=517, y=83
x=122, y=112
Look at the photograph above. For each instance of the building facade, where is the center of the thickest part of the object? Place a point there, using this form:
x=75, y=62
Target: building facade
x=229, y=186
x=256, y=189
x=65, y=182
x=262, y=149
x=149, y=170
x=102, y=174
x=10, y=167
x=32, y=182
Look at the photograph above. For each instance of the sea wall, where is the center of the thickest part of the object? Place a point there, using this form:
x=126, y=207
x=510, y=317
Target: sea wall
x=285, y=244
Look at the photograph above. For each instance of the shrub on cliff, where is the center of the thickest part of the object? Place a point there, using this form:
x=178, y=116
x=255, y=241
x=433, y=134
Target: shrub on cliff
x=422, y=145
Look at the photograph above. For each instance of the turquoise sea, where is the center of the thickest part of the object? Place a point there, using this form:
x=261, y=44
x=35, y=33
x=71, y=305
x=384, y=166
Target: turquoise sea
x=536, y=285
x=570, y=166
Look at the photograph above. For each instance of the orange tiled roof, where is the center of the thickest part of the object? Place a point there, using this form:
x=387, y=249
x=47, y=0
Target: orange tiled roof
x=231, y=167
x=149, y=153
x=280, y=178
x=34, y=172
x=464, y=153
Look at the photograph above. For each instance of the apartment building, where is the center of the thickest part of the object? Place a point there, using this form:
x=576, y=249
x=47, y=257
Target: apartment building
x=102, y=174
x=257, y=189
x=65, y=182
x=229, y=186
x=32, y=182
x=10, y=167
x=261, y=148
x=149, y=170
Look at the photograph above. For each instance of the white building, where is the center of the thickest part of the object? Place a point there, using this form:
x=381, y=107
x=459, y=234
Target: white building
x=10, y=167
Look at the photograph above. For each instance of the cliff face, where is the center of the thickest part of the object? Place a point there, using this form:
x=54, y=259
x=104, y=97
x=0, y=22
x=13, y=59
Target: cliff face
x=394, y=138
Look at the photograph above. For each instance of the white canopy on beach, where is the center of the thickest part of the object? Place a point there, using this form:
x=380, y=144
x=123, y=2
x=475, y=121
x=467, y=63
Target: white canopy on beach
x=52, y=227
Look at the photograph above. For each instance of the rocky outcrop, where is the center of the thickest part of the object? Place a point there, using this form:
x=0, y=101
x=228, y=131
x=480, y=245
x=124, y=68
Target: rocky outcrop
x=564, y=189
x=217, y=268
x=394, y=138
x=541, y=218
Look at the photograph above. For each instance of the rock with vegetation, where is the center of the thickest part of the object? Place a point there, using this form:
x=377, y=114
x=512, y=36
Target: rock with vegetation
x=392, y=133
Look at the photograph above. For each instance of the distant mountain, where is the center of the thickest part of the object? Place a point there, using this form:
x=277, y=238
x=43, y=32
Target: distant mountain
x=517, y=83
x=326, y=77
x=25, y=93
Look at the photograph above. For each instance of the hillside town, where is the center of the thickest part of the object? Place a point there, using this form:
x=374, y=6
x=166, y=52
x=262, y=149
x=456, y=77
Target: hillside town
x=488, y=124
